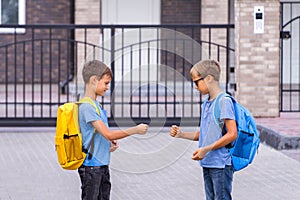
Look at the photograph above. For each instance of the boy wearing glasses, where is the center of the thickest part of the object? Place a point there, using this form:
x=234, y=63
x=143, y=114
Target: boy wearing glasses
x=212, y=154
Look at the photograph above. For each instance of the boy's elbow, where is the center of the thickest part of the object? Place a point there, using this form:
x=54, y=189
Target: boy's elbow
x=108, y=136
x=235, y=135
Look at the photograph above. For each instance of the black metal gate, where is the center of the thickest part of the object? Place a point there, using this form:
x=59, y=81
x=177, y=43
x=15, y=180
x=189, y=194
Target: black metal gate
x=290, y=57
x=41, y=69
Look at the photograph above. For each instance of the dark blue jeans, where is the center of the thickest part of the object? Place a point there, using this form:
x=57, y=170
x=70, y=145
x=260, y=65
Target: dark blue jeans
x=95, y=182
x=218, y=183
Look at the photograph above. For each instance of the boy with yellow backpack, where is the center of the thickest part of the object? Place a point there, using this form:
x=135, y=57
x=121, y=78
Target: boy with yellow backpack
x=97, y=140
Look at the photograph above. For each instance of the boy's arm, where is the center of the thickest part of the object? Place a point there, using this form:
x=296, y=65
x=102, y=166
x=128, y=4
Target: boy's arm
x=177, y=133
x=229, y=137
x=118, y=134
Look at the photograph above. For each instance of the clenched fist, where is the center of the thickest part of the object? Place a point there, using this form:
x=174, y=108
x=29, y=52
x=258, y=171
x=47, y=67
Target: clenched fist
x=175, y=131
x=139, y=129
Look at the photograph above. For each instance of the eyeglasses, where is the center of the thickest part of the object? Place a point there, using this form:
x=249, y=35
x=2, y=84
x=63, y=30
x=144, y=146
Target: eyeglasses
x=200, y=79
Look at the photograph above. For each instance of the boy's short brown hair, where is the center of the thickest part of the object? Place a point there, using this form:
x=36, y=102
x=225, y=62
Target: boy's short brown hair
x=95, y=68
x=207, y=67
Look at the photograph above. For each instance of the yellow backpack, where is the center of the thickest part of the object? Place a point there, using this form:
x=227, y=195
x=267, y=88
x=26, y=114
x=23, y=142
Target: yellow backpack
x=68, y=138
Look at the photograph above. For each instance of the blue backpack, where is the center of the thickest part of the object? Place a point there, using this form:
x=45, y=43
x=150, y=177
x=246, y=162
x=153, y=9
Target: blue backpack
x=244, y=148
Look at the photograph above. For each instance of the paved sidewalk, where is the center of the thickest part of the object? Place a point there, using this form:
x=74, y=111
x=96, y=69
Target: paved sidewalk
x=286, y=125
x=154, y=166
x=281, y=132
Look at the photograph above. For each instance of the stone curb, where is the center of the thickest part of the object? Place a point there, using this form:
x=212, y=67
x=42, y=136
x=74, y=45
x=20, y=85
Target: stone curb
x=276, y=140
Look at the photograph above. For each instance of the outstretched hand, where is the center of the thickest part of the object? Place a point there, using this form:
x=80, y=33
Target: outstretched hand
x=141, y=128
x=175, y=131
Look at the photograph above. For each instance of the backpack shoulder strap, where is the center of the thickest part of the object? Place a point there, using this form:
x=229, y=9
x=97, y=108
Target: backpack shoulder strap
x=217, y=114
x=90, y=101
x=90, y=148
x=217, y=109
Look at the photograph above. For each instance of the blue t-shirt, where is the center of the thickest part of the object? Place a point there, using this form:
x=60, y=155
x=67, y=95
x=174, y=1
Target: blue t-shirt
x=210, y=132
x=101, y=154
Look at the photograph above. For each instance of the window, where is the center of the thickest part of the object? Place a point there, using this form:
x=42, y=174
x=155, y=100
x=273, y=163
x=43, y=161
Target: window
x=122, y=12
x=12, y=12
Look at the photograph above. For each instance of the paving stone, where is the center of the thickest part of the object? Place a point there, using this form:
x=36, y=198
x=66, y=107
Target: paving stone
x=30, y=170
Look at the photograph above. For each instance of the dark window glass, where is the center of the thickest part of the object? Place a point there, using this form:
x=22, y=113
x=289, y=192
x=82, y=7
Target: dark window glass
x=9, y=11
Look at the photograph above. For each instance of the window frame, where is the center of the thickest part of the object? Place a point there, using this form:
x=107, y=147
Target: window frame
x=21, y=18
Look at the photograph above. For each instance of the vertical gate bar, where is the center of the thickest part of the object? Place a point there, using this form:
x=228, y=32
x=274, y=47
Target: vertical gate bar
x=183, y=79
x=227, y=57
x=209, y=42
x=71, y=41
x=24, y=80
x=157, y=66
x=122, y=75
x=85, y=41
x=281, y=59
x=41, y=78
x=102, y=30
x=218, y=54
x=291, y=65
x=199, y=95
x=102, y=42
x=69, y=70
x=165, y=86
x=140, y=71
x=76, y=68
x=15, y=66
x=131, y=98
x=50, y=72
x=101, y=33
x=227, y=46
x=85, y=49
x=112, y=97
x=174, y=75
x=191, y=82
x=6, y=81
x=200, y=41
x=59, y=73
x=148, y=84
x=32, y=72
x=94, y=51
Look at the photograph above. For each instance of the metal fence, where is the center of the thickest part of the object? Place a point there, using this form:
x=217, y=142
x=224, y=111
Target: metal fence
x=41, y=66
x=290, y=57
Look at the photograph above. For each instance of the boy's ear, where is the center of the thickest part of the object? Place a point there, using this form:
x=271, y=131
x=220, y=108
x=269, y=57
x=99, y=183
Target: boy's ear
x=210, y=78
x=93, y=79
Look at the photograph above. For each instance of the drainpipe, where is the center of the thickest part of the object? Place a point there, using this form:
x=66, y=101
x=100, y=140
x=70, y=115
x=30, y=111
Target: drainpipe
x=63, y=84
